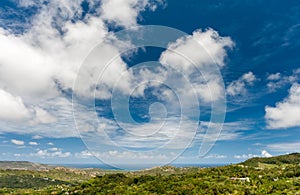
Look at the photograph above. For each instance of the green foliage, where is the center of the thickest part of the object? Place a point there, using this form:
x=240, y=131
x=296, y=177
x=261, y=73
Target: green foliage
x=27, y=181
x=277, y=179
x=293, y=158
x=199, y=181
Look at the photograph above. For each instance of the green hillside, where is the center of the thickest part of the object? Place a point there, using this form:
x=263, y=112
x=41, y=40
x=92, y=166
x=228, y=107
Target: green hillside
x=293, y=158
x=23, y=165
x=283, y=177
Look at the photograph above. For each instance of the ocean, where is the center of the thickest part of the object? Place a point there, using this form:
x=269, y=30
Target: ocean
x=132, y=167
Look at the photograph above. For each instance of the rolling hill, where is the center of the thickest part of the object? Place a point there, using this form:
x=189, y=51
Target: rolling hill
x=293, y=158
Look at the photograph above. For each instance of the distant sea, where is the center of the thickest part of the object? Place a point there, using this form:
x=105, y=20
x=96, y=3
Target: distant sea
x=132, y=167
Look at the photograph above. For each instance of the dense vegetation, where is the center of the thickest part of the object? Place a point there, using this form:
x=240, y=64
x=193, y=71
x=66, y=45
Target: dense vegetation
x=221, y=180
x=283, y=177
x=293, y=158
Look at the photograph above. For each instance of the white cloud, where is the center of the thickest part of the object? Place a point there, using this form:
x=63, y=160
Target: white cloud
x=49, y=54
x=167, y=133
x=216, y=156
x=115, y=155
x=37, y=137
x=286, y=113
x=274, y=85
x=203, y=47
x=273, y=77
x=46, y=153
x=42, y=117
x=265, y=153
x=125, y=13
x=17, y=142
x=33, y=143
x=48, y=60
x=43, y=124
x=238, y=87
x=54, y=149
x=230, y=131
x=278, y=80
x=196, y=57
x=297, y=71
x=246, y=156
x=12, y=108
x=29, y=3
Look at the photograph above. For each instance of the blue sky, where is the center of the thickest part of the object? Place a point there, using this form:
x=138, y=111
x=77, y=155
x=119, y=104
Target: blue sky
x=134, y=103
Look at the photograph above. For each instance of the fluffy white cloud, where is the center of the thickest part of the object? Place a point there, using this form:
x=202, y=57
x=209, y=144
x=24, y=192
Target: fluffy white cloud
x=238, y=87
x=125, y=13
x=37, y=137
x=117, y=155
x=47, y=153
x=265, y=153
x=277, y=80
x=54, y=149
x=44, y=125
x=17, y=142
x=245, y=156
x=216, y=156
x=33, y=143
x=36, y=65
x=286, y=113
x=197, y=56
x=203, y=47
x=42, y=117
x=12, y=108
x=230, y=131
x=273, y=77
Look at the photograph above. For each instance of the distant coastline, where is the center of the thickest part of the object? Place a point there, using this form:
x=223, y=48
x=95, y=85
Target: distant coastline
x=131, y=167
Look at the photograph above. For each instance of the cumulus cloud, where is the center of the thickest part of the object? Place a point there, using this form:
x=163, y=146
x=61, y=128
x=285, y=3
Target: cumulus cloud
x=274, y=77
x=12, y=108
x=47, y=153
x=117, y=155
x=285, y=114
x=125, y=13
x=207, y=50
x=199, y=56
x=265, y=153
x=212, y=50
x=17, y=142
x=278, y=80
x=33, y=143
x=37, y=137
x=245, y=156
x=42, y=117
x=41, y=125
x=238, y=87
x=216, y=156
x=49, y=54
x=230, y=130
